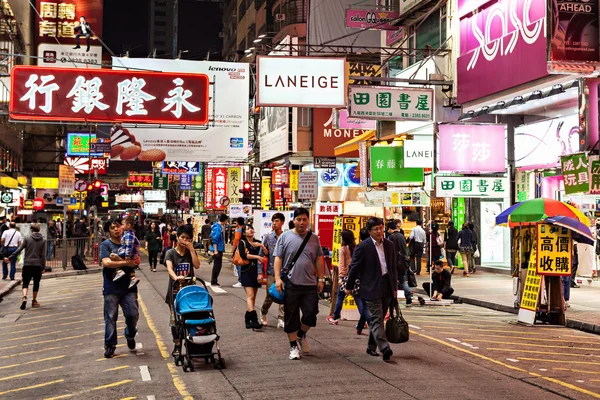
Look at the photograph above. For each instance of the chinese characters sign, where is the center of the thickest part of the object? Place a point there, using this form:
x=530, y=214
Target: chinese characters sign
x=137, y=180
x=66, y=180
x=66, y=94
x=575, y=173
x=208, y=188
x=387, y=166
x=554, y=249
x=458, y=186
x=472, y=148
x=531, y=290
x=59, y=19
x=594, y=174
x=234, y=178
x=181, y=167
x=78, y=144
x=159, y=180
x=82, y=164
x=391, y=103
x=185, y=182
x=220, y=186
x=308, y=185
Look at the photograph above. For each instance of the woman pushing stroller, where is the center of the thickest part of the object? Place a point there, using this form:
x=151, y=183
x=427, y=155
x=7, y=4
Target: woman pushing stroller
x=179, y=260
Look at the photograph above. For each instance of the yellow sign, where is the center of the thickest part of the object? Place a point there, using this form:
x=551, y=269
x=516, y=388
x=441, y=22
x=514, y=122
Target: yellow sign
x=531, y=291
x=294, y=180
x=75, y=206
x=105, y=204
x=349, y=303
x=9, y=182
x=44, y=183
x=350, y=223
x=361, y=69
x=234, y=184
x=28, y=204
x=337, y=241
x=554, y=249
x=265, y=198
x=22, y=180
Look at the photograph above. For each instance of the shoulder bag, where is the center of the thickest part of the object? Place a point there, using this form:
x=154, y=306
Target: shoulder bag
x=396, y=328
x=237, y=259
x=4, y=249
x=276, y=296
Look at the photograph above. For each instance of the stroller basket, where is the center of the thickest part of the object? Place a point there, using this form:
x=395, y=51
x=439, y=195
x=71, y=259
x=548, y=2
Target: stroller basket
x=192, y=299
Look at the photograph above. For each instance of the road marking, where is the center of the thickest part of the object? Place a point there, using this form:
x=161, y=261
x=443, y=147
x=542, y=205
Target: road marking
x=145, y=373
x=216, y=289
x=506, y=336
x=32, y=362
x=177, y=382
x=469, y=345
x=52, y=340
x=579, y=381
x=415, y=327
x=512, y=360
x=118, y=356
x=129, y=398
x=541, y=352
x=581, y=371
x=151, y=397
x=33, y=336
x=66, y=396
x=557, y=361
x=110, y=385
x=534, y=345
x=543, y=369
x=558, y=382
x=54, y=326
x=116, y=368
x=39, y=385
x=453, y=340
x=28, y=373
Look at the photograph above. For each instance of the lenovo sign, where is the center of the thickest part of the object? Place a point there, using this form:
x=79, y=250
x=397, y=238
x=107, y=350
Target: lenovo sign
x=301, y=82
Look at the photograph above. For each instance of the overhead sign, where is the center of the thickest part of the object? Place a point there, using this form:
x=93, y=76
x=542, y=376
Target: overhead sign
x=80, y=185
x=59, y=55
x=374, y=19
x=240, y=210
x=418, y=152
x=394, y=103
x=78, y=144
x=574, y=28
x=308, y=185
x=345, y=122
x=59, y=20
x=105, y=95
x=234, y=182
x=594, y=174
x=6, y=197
x=44, y=183
x=28, y=204
x=137, y=180
x=82, y=164
x=181, y=167
x=159, y=180
x=301, y=82
x=326, y=137
x=185, y=182
x=208, y=188
x=554, y=250
x=255, y=190
x=575, y=173
x=100, y=146
x=155, y=195
x=273, y=132
x=328, y=208
x=66, y=180
x=220, y=187
x=324, y=162
x=153, y=208
x=456, y=186
x=387, y=165
x=472, y=148
x=225, y=139
x=38, y=204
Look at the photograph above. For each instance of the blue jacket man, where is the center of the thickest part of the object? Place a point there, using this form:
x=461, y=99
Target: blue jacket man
x=217, y=237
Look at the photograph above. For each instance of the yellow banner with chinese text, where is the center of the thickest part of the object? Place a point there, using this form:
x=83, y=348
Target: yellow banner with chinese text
x=554, y=250
x=533, y=281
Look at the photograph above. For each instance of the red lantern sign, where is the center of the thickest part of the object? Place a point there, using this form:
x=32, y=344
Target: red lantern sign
x=99, y=95
x=38, y=204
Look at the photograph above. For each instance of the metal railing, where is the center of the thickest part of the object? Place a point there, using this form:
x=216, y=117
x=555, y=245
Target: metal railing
x=59, y=252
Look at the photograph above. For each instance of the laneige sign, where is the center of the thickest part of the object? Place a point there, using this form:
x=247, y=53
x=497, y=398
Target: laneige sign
x=418, y=153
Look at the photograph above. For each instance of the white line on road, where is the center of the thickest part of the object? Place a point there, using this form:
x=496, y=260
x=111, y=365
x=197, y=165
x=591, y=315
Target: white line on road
x=512, y=359
x=145, y=373
x=217, y=289
x=416, y=327
x=151, y=397
x=453, y=340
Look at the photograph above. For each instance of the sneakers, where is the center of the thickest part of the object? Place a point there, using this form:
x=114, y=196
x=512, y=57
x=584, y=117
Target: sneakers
x=120, y=273
x=109, y=351
x=294, y=353
x=567, y=305
x=304, y=345
x=238, y=285
x=280, y=324
x=264, y=319
x=131, y=344
x=332, y=320
x=35, y=304
x=134, y=282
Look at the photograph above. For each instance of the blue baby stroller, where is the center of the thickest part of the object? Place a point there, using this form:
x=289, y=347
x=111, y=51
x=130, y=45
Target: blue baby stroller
x=195, y=322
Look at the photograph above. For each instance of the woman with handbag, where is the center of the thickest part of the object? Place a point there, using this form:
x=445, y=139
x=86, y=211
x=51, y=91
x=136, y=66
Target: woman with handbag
x=251, y=270
x=465, y=246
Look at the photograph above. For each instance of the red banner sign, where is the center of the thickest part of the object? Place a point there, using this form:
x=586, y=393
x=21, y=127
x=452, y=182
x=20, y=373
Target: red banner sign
x=136, y=180
x=60, y=19
x=220, y=183
x=82, y=164
x=100, y=95
x=208, y=188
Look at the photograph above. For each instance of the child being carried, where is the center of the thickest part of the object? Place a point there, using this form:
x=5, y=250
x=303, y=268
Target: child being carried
x=129, y=250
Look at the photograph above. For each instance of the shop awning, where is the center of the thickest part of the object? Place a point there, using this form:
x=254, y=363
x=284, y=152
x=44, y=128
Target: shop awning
x=352, y=144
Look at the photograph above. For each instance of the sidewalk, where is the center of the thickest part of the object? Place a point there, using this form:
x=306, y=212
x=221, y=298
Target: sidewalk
x=495, y=291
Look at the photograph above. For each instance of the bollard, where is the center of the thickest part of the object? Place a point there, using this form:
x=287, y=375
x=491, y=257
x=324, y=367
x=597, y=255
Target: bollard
x=96, y=251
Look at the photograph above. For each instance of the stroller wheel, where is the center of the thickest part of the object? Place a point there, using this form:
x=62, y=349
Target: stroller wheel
x=190, y=364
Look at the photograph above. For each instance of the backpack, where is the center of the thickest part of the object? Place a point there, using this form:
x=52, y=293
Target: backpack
x=77, y=263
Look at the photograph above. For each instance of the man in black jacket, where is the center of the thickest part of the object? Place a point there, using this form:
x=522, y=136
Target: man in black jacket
x=440, y=284
x=374, y=262
x=402, y=260
x=84, y=30
x=451, y=239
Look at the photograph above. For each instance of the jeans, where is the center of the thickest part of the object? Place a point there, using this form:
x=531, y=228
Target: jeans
x=415, y=257
x=216, y=270
x=566, y=285
x=239, y=273
x=268, y=301
x=467, y=259
x=451, y=258
x=341, y=295
x=129, y=304
x=365, y=316
x=13, y=263
x=403, y=284
x=378, y=309
x=49, y=249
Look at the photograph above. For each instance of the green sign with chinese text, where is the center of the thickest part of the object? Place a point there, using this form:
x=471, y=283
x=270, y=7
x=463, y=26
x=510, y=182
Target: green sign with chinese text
x=387, y=165
x=575, y=173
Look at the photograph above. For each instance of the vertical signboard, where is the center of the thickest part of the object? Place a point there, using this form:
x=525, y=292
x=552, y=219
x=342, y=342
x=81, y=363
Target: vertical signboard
x=308, y=185
x=575, y=173
x=220, y=185
x=256, y=180
x=554, y=249
x=265, y=199
x=160, y=181
x=208, y=188
x=594, y=174
x=66, y=180
x=234, y=179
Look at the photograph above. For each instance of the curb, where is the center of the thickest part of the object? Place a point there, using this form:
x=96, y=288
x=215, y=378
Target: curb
x=8, y=288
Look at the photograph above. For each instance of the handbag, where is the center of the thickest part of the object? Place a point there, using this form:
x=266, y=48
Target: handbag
x=4, y=249
x=439, y=240
x=396, y=328
x=411, y=278
x=237, y=259
x=273, y=292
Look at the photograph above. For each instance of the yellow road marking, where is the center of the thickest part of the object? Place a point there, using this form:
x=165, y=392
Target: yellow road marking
x=557, y=361
x=33, y=362
x=34, y=351
x=542, y=352
x=52, y=340
x=54, y=326
x=558, y=382
x=119, y=356
x=51, y=316
x=66, y=396
x=532, y=345
x=28, y=373
x=179, y=384
x=513, y=337
x=39, y=385
x=38, y=335
x=582, y=371
x=129, y=398
x=116, y=368
x=40, y=322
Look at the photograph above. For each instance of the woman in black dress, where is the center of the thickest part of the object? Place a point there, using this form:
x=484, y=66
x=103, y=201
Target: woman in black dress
x=251, y=273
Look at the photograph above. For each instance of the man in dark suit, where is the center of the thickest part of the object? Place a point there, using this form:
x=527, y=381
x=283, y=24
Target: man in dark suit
x=374, y=263
x=85, y=30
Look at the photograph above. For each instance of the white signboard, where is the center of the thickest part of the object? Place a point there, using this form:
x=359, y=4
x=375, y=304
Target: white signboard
x=240, y=210
x=408, y=5
x=390, y=103
x=66, y=180
x=308, y=185
x=154, y=207
x=226, y=141
x=328, y=208
x=458, y=186
x=263, y=225
x=418, y=152
x=129, y=198
x=273, y=132
x=301, y=82
x=155, y=195
x=492, y=235
x=61, y=55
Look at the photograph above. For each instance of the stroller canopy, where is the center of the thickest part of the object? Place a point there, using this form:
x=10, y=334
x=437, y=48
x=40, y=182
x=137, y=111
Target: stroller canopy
x=192, y=299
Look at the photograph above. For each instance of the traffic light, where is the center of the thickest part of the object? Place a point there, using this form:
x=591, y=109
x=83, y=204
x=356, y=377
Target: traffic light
x=94, y=194
x=246, y=193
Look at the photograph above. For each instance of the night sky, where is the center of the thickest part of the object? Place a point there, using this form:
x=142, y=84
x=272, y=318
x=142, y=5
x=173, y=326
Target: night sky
x=199, y=27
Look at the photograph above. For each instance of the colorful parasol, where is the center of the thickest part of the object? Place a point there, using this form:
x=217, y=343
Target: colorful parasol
x=585, y=235
x=537, y=210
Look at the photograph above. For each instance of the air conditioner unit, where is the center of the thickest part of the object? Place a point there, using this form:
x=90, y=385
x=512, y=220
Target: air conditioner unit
x=279, y=17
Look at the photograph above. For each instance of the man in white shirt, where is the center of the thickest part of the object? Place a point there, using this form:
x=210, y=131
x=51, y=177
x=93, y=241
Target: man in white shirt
x=11, y=240
x=416, y=241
